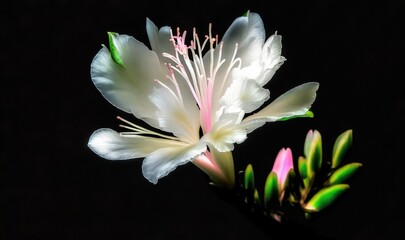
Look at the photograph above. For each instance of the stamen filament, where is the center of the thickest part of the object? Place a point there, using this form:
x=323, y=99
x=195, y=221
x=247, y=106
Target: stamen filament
x=231, y=65
x=199, y=77
x=180, y=100
x=138, y=130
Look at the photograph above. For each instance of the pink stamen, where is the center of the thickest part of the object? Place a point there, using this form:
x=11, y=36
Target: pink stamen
x=199, y=77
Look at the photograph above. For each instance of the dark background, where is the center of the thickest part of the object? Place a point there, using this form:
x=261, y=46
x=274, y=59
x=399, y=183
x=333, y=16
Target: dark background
x=53, y=187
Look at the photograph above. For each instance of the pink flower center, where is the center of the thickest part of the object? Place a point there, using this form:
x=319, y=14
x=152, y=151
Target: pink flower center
x=200, y=77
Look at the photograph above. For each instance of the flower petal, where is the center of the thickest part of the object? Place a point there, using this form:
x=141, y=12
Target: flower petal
x=246, y=35
x=226, y=131
x=248, y=32
x=180, y=118
x=111, y=145
x=296, y=101
x=159, y=39
x=127, y=87
x=245, y=95
x=163, y=161
x=264, y=68
x=282, y=166
x=161, y=42
x=271, y=59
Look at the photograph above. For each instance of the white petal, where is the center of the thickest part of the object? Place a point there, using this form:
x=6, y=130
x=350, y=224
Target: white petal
x=296, y=101
x=245, y=95
x=272, y=50
x=182, y=120
x=264, y=68
x=111, y=145
x=247, y=35
x=226, y=131
x=159, y=39
x=253, y=71
x=248, y=32
x=163, y=161
x=127, y=87
x=271, y=59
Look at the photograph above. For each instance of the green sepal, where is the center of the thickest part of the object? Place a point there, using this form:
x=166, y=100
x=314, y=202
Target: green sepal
x=249, y=178
x=271, y=188
x=115, y=55
x=289, y=187
x=226, y=165
x=325, y=197
x=344, y=173
x=246, y=14
x=342, y=143
x=314, y=154
x=302, y=167
x=308, y=114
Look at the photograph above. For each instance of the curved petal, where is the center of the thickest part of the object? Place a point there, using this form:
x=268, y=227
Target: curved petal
x=245, y=95
x=264, y=68
x=111, y=145
x=182, y=118
x=163, y=161
x=161, y=42
x=127, y=87
x=296, y=101
x=246, y=36
x=248, y=32
x=159, y=39
x=226, y=131
x=271, y=59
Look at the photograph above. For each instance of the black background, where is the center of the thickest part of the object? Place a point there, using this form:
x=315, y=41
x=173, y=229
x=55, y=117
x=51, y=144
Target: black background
x=53, y=187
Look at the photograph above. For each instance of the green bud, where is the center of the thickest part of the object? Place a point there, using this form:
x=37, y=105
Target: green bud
x=342, y=143
x=271, y=188
x=325, y=197
x=344, y=173
x=313, y=152
x=249, y=177
x=256, y=197
x=302, y=167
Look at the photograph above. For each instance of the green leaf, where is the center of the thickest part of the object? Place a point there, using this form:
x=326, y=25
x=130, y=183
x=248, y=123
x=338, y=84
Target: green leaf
x=342, y=143
x=325, y=197
x=271, y=188
x=249, y=177
x=314, y=154
x=113, y=49
x=308, y=114
x=344, y=173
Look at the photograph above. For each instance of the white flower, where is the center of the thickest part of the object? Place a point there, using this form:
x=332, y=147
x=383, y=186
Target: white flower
x=196, y=96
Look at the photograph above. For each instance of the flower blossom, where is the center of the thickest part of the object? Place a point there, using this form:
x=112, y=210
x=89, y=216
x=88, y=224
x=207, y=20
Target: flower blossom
x=282, y=167
x=199, y=97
